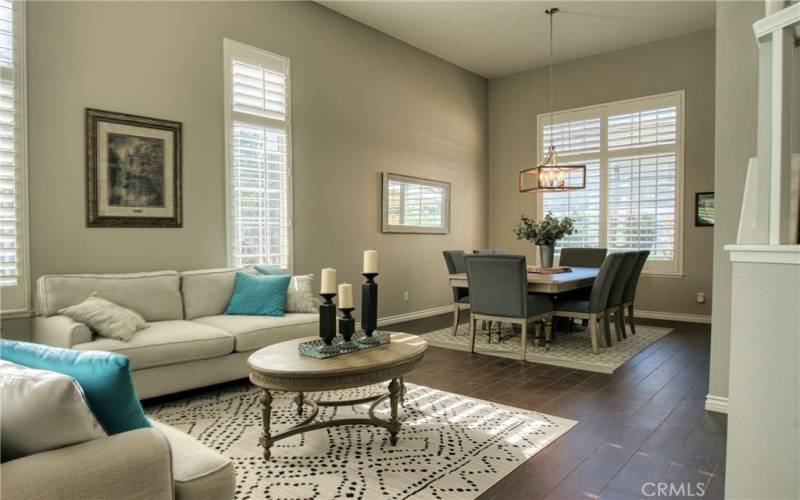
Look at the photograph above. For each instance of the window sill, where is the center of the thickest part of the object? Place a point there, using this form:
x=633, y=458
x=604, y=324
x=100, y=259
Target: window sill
x=16, y=314
x=663, y=275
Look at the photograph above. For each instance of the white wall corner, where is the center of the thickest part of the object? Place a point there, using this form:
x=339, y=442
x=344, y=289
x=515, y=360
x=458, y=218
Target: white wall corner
x=718, y=404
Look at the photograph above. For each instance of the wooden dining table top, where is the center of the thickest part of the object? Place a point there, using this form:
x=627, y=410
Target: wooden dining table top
x=578, y=277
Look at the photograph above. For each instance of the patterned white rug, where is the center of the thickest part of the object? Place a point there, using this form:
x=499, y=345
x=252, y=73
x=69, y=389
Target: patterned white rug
x=450, y=446
x=570, y=350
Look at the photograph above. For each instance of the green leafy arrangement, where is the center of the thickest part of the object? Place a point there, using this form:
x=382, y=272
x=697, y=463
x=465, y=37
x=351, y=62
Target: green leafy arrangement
x=544, y=233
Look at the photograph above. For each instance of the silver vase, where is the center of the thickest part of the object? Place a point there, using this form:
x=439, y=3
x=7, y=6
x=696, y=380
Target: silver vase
x=546, y=253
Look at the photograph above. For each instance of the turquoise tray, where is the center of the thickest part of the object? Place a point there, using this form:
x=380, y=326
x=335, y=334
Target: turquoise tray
x=358, y=342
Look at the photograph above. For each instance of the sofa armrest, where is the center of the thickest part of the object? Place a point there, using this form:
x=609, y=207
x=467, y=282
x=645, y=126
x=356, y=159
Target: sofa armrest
x=130, y=465
x=60, y=331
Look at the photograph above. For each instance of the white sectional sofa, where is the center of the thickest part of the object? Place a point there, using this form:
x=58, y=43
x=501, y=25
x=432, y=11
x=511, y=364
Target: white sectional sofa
x=189, y=341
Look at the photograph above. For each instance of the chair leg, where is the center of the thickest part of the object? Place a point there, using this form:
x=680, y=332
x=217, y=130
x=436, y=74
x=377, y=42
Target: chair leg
x=524, y=328
x=472, y=327
x=607, y=325
x=609, y=312
x=537, y=333
x=620, y=315
x=593, y=323
x=456, y=318
x=548, y=333
x=631, y=319
x=606, y=331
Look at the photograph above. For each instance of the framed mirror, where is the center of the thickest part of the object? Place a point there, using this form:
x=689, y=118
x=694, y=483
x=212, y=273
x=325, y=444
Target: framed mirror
x=415, y=205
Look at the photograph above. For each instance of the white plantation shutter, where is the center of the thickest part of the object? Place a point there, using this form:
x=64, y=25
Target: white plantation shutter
x=259, y=161
x=13, y=178
x=633, y=154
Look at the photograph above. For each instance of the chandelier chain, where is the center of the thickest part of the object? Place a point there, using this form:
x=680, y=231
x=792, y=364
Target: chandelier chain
x=551, y=13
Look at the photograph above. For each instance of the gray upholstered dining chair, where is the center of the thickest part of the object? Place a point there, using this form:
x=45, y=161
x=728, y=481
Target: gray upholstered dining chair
x=614, y=306
x=456, y=265
x=629, y=295
x=582, y=257
x=498, y=291
x=593, y=307
x=489, y=251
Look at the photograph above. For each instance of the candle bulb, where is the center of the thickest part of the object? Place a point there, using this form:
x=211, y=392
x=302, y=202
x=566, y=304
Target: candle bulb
x=370, y=261
x=345, y=295
x=328, y=284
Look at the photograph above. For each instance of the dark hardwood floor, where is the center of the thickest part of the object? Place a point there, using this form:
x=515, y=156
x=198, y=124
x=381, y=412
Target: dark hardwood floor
x=643, y=424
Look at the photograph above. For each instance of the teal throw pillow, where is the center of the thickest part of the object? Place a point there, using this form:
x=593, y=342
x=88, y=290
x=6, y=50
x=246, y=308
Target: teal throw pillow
x=269, y=270
x=105, y=378
x=259, y=295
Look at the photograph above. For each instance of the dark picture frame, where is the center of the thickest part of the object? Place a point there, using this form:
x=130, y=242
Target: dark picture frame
x=133, y=171
x=704, y=212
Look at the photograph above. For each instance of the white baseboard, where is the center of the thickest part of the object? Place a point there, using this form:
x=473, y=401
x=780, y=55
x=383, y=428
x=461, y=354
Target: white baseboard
x=400, y=318
x=718, y=404
x=671, y=316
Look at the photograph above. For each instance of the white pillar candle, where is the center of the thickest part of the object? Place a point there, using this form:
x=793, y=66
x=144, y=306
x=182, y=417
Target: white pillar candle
x=345, y=295
x=370, y=261
x=328, y=284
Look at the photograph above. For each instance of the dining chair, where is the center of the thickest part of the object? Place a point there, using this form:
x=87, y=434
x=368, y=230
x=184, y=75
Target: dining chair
x=593, y=307
x=498, y=291
x=582, y=257
x=629, y=295
x=614, y=306
x=456, y=265
x=489, y=251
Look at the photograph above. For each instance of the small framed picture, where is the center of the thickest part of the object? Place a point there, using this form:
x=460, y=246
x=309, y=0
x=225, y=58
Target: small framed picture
x=133, y=171
x=704, y=209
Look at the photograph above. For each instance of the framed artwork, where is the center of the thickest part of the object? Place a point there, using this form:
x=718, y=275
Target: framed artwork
x=415, y=205
x=704, y=209
x=133, y=171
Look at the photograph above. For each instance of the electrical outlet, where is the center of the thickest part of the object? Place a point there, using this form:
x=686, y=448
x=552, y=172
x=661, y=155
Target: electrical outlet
x=405, y=296
x=701, y=298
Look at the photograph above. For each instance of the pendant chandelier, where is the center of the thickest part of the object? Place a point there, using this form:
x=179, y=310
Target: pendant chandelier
x=550, y=174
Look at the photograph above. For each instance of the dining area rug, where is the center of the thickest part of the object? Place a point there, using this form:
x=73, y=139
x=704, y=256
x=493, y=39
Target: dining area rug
x=450, y=446
x=568, y=349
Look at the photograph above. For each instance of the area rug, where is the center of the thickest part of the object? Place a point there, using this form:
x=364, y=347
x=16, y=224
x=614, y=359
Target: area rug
x=570, y=350
x=450, y=446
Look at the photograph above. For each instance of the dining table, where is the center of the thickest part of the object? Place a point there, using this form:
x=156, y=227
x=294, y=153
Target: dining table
x=546, y=282
x=576, y=277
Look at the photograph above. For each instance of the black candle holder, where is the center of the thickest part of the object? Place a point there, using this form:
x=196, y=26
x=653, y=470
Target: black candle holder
x=369, y=306
x=327, y=318
x=347, y=325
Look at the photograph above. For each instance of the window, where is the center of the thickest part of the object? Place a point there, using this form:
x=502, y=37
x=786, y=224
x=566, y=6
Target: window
x=258, y=149
x=412, y=205
x=633, y=151
x=14, y=274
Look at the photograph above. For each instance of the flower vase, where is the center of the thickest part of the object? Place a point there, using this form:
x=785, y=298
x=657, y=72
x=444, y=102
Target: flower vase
x=546, y=253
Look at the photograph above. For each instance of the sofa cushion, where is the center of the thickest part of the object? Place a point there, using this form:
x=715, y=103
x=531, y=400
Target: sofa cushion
x=156, y=296
x=106, y=318
x=42, y=410
x=208, y=292
x=258, y=295
x=167, y=343
x=199, y=473
x=255, y=332
x=104, y=377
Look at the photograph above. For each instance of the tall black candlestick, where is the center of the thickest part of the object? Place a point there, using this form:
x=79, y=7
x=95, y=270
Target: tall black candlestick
x=369, y=304
x=327, y=318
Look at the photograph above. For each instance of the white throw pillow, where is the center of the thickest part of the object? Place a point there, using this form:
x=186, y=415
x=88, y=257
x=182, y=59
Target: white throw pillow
x=300, y=295
x=106, y=318
x=41, y=410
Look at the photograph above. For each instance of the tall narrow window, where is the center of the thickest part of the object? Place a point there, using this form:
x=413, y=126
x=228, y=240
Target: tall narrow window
x=14, y=275
x=258, y=138
x=633, y=151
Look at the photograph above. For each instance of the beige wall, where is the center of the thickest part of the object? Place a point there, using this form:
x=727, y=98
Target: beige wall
x=362, y=103
x=737, y=100
x=682, y=63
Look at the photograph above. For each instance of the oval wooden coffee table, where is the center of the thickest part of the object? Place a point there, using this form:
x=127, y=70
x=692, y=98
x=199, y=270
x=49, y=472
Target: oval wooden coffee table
x=280, y=367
